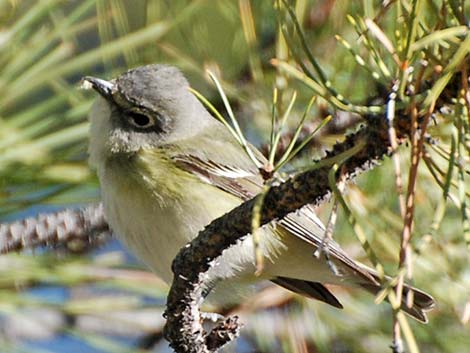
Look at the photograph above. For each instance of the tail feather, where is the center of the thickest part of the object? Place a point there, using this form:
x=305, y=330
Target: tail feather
x=421, y=301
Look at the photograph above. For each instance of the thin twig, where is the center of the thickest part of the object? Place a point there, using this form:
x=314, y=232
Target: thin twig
x=417, y=146
x=394, y=143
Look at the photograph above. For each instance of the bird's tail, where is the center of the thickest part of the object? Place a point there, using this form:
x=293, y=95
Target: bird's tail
x=417, y=307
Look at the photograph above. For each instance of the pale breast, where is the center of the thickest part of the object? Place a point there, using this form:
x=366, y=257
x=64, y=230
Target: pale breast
x=155, y=225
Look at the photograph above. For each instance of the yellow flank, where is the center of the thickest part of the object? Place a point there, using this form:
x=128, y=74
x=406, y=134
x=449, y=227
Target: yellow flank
x=160, y=173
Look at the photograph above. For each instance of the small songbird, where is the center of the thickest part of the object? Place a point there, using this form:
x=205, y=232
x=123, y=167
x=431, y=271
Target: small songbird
x=167, y=168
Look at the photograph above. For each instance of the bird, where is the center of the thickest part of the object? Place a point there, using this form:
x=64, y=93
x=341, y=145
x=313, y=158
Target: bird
x=167, y=168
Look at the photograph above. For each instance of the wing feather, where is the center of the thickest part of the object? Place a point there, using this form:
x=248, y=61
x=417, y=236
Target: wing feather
x=303, y=224
x=236, y=181
x=312, y=290
x=243, y=180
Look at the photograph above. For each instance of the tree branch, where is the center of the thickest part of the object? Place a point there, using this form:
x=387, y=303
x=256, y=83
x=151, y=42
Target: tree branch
x=183, y=329
x=74, y=229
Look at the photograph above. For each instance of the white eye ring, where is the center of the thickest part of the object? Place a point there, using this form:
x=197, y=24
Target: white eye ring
x=140, y=120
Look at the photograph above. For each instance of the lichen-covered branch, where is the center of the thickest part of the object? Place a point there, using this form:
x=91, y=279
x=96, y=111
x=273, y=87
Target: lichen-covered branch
x=184, y=329
x=74, y=229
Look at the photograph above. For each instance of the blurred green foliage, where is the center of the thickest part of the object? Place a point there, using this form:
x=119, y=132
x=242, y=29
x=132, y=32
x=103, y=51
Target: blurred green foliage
x=47, y=46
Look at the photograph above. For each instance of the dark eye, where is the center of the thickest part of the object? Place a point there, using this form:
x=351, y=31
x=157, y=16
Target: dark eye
x=140, y=120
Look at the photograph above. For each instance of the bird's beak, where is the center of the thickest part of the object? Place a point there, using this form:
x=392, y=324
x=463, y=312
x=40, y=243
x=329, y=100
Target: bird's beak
x=104, y=88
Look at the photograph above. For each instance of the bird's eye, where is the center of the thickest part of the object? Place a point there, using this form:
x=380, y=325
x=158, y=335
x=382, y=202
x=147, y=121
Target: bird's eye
x=140, y=120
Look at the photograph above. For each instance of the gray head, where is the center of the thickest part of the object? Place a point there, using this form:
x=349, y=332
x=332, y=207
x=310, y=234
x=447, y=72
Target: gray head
x=149, y=106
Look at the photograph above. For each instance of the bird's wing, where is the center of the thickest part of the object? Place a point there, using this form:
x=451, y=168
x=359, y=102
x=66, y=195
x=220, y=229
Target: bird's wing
x=243, y=180
x=236, y=181
x=305, y=225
